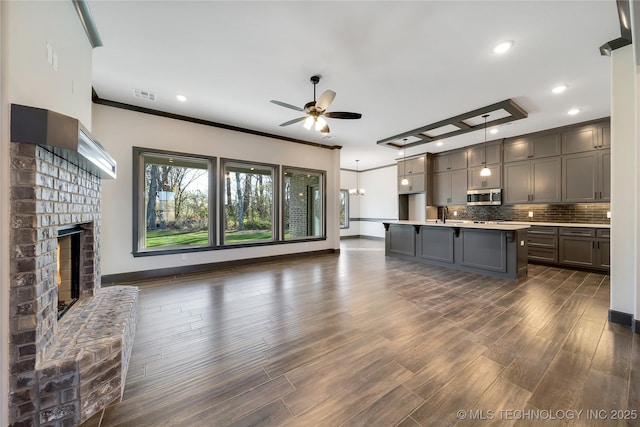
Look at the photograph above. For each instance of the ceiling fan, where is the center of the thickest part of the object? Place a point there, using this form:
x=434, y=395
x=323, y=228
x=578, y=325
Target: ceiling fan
x=316, y=110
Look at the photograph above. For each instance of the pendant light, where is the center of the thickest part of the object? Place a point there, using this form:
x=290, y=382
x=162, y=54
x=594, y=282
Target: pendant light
x=485, y=170
x=404, y=181
x=357, y=191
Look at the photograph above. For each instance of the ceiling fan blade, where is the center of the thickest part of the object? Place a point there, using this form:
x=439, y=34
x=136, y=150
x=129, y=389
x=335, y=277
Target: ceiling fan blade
x=342, y=115
x=325, y=99
x=290, y=122
x=285, y=105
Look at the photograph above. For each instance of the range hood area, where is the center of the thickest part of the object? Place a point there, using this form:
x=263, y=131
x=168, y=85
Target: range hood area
x=65, y=134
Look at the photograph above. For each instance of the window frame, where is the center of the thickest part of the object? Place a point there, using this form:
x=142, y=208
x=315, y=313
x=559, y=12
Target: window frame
x=275, y=238
x=345, y=194
x=323, y=198
x=138, y=209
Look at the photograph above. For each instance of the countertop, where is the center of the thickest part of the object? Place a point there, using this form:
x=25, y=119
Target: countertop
x=464, y=224
x=558, y=224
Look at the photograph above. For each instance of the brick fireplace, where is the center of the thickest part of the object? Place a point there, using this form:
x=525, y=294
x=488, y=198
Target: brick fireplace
x=61, y=371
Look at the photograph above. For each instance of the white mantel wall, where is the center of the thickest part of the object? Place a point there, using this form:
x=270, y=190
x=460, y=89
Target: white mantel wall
x=26, y=77
x=119, y=130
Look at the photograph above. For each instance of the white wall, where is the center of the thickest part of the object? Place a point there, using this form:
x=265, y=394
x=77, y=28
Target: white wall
x=26, y=77
x=380, y=202
x=624, y=203
x=119, y=130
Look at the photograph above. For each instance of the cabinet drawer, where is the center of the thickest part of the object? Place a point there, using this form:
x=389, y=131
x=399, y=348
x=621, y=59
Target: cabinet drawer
x=577, y=231
x=603, y=232
x=541, y=229
x=540, y=241
x=543, y=254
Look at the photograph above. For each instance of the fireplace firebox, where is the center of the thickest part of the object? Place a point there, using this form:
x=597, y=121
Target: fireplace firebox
x=68, y=267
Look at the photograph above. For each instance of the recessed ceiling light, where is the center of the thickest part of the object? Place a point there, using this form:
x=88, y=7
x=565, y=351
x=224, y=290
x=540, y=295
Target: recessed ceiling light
x=573, y=111
x=439, y=144
x=503, y=47
x=181, y=98
x=494, y=131
x=400, y=153
x=559, y=89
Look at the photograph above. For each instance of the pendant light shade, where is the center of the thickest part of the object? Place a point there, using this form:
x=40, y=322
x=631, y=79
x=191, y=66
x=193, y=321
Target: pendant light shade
x=404, y=181
x=357, y=191
x=485, y=170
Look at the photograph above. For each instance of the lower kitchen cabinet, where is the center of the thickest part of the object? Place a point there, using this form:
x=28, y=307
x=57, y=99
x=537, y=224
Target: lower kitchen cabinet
x=581, y=247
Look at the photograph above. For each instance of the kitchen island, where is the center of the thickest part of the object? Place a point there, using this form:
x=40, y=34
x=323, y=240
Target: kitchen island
x=494, y=249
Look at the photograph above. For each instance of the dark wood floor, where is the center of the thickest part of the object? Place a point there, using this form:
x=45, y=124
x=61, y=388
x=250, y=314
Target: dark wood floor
x=362, y=340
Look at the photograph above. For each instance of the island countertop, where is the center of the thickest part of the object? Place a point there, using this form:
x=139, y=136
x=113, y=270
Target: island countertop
x=463, y=224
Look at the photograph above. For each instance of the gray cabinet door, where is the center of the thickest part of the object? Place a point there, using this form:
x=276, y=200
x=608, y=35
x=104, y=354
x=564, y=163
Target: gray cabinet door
x=416, y=165
x=458, y=187
x=477, y=182
x=441, y=188
x=580, y=177
x=546, y=145
x=516, y=150
x=577, y=251
x=458, y=160
x=517, y=182
x=401, y=240
x=545, y=180
x=440, y=162
x=475, y=154
x=605, y=137
x=604, y=254
x=604, y=175
x=436, y=243
x=579, y=140
x=416, y=184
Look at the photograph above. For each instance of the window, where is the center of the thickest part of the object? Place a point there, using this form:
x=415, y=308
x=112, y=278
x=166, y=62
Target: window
x=344, y=208
x=303, y=204
x=173, y=201
x=248, y=203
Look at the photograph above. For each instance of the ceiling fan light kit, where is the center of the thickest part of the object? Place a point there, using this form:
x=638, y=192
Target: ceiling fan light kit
x=316, y=110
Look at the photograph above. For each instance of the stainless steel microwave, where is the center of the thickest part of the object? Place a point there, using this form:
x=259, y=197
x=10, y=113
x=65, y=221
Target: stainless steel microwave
x=489, y=196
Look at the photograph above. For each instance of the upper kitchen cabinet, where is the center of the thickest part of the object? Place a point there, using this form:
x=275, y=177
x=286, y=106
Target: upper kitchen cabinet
x=586, y=177
x=532, y=181
x=415, y=171
x=452, y=160
x=476, y=154
x=475, y=181
x=586, y=138
x=450, y=188
x=532, y=147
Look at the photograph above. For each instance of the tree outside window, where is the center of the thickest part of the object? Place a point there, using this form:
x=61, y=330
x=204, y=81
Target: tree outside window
x=248, y=202
x=344, y=208
x=174, y=201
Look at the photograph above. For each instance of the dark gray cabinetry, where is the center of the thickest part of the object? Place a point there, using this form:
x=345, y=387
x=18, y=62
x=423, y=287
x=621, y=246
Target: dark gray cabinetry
x=532, y=181
x=477, y=182
x=583, y=247
x=436, y=244
x=543, y=244
x=532, y=147
x=415, y=171
x=586, y=138
x=492, y=251
x=586, y=176
x=476, y=156
x=450, y=188
x=452, y=160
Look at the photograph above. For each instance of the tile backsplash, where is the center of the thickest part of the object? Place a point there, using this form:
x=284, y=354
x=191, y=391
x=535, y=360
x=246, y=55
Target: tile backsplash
x=586, y=213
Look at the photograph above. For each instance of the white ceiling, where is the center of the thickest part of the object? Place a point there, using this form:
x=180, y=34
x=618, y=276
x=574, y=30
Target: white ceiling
x=402, y=65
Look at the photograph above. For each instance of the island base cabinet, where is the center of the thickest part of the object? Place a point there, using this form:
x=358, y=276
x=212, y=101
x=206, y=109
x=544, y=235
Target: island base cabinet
x=492, y=252
x=401, y=240
x=483, y=249
x=436, y=244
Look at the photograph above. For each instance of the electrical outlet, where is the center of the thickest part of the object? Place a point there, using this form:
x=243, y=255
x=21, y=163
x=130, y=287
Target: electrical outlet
x=184, y=257
x=55, y=61
x=49, y=54
x=521, y=242
x=455, y=213
x=530, y=214
x=609, y=214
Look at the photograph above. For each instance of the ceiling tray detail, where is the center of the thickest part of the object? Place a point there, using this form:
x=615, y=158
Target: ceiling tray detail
x=499, y=113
